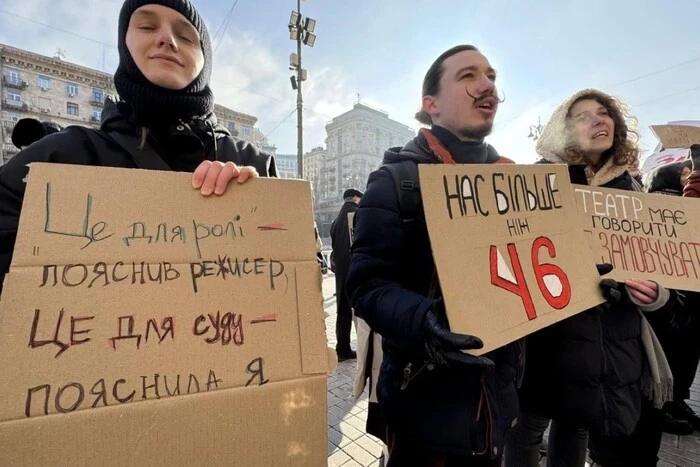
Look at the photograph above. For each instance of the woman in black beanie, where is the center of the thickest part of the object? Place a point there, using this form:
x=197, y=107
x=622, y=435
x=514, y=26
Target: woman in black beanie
x=164, y=121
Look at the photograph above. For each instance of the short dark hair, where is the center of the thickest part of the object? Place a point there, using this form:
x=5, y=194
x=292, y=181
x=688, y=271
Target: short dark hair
x=431, y=82
x=351, y=193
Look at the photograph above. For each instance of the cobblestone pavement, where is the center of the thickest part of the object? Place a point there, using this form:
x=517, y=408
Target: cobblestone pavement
x=350, y=446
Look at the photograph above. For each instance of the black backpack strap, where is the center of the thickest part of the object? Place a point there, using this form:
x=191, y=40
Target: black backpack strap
x=405, y=175
x=145, y=158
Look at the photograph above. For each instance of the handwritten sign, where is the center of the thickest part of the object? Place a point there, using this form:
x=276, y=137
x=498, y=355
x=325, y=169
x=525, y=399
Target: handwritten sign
x=661, y=158
x=128, y=288
x=505, y=248
x=677, y=136
x=644, y=236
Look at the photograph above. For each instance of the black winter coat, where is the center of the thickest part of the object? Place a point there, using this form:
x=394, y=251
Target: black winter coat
x=116, y=144
x=340, y=239
x=587, y=369
x=456, y=411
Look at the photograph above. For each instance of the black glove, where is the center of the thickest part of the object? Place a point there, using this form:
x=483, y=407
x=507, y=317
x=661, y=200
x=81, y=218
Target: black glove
x=610, y=288
x=445, y=347
x=695, y=156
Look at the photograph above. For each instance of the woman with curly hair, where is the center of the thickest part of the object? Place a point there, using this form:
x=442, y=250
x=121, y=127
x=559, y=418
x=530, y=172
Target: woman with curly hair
x=595, y=373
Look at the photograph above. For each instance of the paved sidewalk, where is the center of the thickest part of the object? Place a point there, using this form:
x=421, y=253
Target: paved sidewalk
x=350, y=446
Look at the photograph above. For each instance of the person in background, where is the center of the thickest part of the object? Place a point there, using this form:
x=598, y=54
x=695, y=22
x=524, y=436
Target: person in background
x=634, y=172
x=599, y=374
x=341, y=242
x=165, y=120
x=31, y=130
x=691, y=187
x=680, y=339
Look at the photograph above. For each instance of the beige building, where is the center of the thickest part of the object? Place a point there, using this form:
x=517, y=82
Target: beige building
x=355, y=142
x=239, y=124
x=51, y=89
x=48, y=89
x=314, y=161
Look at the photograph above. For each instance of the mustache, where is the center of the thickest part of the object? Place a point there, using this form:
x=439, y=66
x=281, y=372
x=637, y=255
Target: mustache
x=494, y=94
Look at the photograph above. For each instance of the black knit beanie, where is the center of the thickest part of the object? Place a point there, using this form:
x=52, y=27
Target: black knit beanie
x=152, y=105
x=665, y=179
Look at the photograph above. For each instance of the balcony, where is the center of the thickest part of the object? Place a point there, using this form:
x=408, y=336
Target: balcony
x=14, y=105
x=14, y=82
x=8, y=126
x=95, y=120
x=94, y=101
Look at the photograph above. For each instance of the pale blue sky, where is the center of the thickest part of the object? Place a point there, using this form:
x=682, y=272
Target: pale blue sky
x=543, y=50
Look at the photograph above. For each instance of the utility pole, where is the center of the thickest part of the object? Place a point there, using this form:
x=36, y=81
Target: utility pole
x=300, y=106
x=300, y=30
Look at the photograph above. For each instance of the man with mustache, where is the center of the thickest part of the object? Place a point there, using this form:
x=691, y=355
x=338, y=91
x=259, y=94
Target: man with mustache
x=443, y=407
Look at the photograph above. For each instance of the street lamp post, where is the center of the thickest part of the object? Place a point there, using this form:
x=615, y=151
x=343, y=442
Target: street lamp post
x=301, y=30
x=536, y=130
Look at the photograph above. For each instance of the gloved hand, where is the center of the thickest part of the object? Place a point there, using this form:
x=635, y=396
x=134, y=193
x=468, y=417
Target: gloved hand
x=609, y=287
x=695, y=156
x=445, y=347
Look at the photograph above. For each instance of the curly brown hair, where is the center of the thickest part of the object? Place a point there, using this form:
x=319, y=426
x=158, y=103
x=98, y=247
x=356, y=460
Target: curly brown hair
x=624, y=150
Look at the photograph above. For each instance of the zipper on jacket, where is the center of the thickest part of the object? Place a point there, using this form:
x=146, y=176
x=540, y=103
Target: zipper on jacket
x=406, y=375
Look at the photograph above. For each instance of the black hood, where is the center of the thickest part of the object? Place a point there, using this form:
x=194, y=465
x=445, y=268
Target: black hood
x=665, y=179
x=463, y=152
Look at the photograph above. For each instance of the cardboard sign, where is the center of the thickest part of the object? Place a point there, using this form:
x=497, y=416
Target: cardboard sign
x=677, y=136
x=661, y=158
x=505, y=248
x=144, y=324
x=644, y=236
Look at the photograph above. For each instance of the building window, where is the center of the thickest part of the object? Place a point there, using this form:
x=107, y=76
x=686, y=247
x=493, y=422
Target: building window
x=13, y=74
x=44, y=82
x=231, y=127
x=72, y=89
x=14, y=118
x=96, y=115
x=246, y=131
x=72, y=109
x=97, y=95
x=14, y=98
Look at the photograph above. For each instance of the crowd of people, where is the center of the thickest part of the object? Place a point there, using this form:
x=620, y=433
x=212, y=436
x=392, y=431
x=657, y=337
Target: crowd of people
x=608, y=381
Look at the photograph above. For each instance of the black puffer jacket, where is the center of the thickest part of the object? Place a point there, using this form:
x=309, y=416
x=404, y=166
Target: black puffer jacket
x=116, y=144
x=391, y=269
x=587, y=369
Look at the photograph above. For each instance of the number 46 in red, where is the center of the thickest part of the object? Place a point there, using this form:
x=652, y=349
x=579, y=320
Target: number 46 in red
x=551, y=280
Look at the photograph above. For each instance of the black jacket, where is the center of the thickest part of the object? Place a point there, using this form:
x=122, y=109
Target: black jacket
x=340, y=239
x=116, y=144
x=454, y=411
x=587, y=369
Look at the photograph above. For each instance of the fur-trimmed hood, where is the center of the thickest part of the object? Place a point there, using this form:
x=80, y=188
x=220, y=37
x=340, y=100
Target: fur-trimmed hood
x=551, y=145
